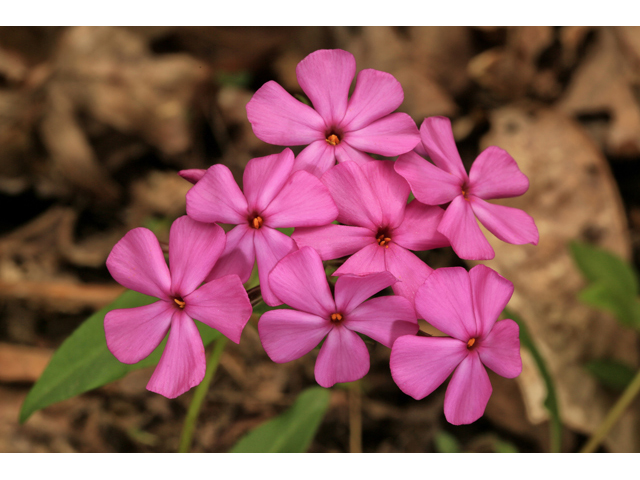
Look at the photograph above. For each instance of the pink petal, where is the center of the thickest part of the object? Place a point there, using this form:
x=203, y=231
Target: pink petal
x=418, y=230
x=495, y=174
x=194, y=248
x=376, y=94
x=325, y=77
x=343, y=358
x=500, y=350
x=137, y=262
x=352, y=290
x=384, y=319
x=419, y=365
x=300, y=282
x=182, y=364
x=445, y=302
x=271, y=247
x=430, y=184
x=303, y=201
x=510, y=225
x=133, y=333
x=264, y=177
x=346, y=153
x=459, y=225
x=333, y=241
x=468, y=392
x=391, y=189
x=316, y=159
x=368, y=260
x=391, y=135
x=222, y=304
x=239, y=254
x=437, y=139
x=410, y=271
x=192, y=175
x=287, y=335
x=491, y=293
x=352, y=193
x=217, y=198
x=278, y=118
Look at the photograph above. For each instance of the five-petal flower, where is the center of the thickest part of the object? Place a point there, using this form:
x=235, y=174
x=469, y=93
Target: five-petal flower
x=464, y=305
x=380, y=227
x=299, y=280
x=137, y=262
x=494, y=174
x=340, y=127
x=274, y=197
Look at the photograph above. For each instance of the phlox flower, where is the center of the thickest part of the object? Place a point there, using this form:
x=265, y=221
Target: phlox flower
x=379, y=226
x=274, y=197
x=464, y=305
x=137, y=262
x=299, y=280
x=494, y=174
x=340, y=127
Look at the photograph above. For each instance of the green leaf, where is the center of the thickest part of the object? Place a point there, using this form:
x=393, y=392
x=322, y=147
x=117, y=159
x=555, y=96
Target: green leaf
x=291, y=432
x=551, y=400
x=446, y=443
x=83, y=362
x=503, y=446
x=601, y=266
x=625, y=308
x=611, y=373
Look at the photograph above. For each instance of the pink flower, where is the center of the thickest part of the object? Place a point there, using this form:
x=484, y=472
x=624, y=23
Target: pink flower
x=380, y=227
x=274, y=198
x=494, y=174
x=137, y=262
x=299, y=281
x=339, y=127
x=464, y=305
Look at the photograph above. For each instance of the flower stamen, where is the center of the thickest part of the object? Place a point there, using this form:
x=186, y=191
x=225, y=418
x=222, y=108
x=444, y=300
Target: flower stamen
x=383, y=240
x=471, y=342
x=333, y=139
x=336, y=317
x=181, y=303
x=257, y=222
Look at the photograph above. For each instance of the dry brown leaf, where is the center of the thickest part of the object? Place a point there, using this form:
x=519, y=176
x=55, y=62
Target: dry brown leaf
x=572, y=196
x=604, y=84
x=111, y=73
x=510, y=70
x=19, y=363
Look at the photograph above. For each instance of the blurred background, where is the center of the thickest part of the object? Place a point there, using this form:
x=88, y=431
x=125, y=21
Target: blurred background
x=96, y=121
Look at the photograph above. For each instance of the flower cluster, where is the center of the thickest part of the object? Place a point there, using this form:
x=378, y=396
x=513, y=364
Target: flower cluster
x=357, y=210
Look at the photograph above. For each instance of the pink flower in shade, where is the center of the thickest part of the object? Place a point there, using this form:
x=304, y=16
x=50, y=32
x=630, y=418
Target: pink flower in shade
x=274, y=198
x=137, y=262
x=340, y=127
x=299, y=280
x=494, y=174
x=464, y=305
x=380, y=227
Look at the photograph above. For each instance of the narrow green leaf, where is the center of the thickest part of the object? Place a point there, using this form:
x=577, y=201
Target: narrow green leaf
x=83, y=362
x=611, y=373
x=446, y=443
x=551, y=400
x=291, y=432
x=625, y=308
x=601, y=266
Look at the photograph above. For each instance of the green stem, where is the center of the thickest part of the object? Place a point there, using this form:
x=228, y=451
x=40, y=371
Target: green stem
x=614, y=415
x=198, y=397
